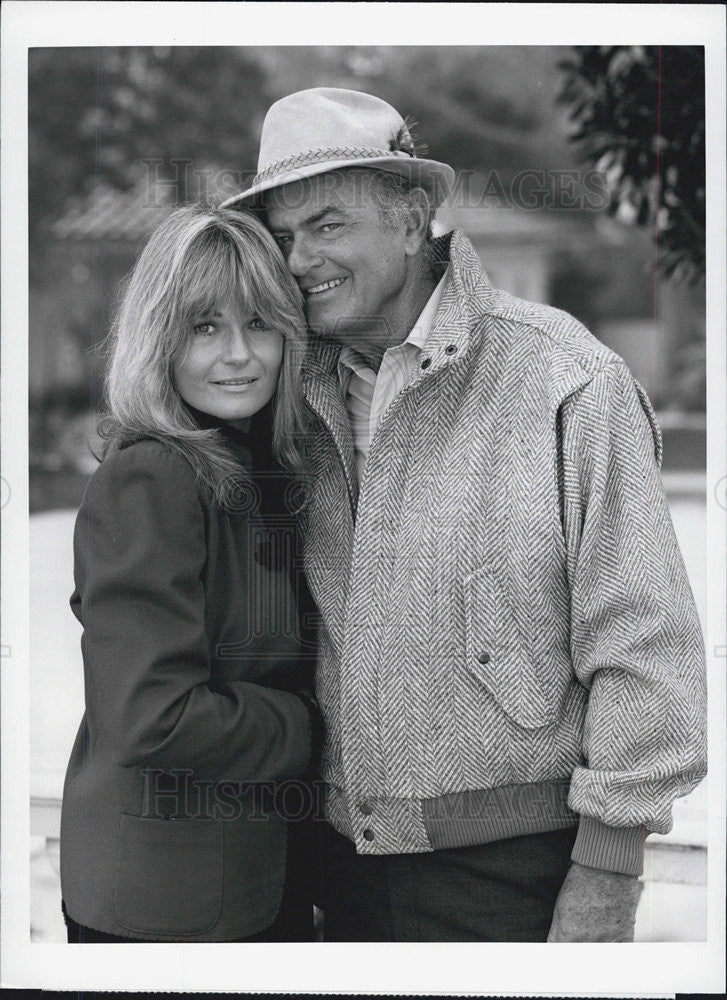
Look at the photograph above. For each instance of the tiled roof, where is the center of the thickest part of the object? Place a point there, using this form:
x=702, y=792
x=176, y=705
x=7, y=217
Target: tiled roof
x=110, y=214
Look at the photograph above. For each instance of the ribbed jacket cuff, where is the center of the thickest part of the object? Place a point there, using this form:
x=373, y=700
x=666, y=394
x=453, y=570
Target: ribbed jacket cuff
x=611, y=848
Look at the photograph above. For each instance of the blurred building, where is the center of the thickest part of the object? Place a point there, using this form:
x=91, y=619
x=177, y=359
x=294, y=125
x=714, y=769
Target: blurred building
x=583, y=262
x=591, y=266
x=89, y=250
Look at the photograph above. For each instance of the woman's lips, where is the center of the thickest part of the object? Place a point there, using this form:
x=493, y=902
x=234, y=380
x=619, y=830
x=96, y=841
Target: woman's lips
x=235, y=383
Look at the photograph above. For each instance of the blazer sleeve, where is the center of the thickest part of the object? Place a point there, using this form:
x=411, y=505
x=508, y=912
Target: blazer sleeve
x=636, y=641
x=139, y=554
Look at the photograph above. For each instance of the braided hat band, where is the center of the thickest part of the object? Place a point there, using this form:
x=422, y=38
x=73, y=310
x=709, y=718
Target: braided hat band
x=310, y=156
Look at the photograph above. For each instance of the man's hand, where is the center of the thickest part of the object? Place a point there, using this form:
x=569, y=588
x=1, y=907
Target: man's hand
x=595, y=905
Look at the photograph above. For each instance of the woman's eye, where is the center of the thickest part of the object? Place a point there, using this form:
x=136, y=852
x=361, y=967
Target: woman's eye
x=258, y=324
x=204, y=329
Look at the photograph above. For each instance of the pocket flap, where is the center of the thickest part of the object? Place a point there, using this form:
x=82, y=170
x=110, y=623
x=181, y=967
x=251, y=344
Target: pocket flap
x=497, y=655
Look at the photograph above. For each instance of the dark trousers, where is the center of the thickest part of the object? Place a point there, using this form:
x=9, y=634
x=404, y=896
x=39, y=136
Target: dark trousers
x=502, y=891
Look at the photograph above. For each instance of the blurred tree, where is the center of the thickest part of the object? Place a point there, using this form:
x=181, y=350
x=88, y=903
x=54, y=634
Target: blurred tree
x=480, y=108
x=179, y=113
x=640, y=117
x=114, y=114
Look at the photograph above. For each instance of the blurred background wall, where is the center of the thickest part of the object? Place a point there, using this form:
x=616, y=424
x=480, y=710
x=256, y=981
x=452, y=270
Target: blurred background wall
x=580, y=182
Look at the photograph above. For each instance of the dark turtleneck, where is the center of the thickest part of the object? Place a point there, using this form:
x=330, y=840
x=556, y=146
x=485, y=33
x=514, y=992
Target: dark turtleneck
x=275, y=486
x=254, y=450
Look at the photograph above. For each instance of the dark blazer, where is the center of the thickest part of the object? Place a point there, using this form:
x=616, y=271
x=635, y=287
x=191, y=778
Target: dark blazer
x=194, y=665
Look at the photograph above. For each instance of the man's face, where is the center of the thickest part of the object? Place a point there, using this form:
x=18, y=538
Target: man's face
x=351, y=268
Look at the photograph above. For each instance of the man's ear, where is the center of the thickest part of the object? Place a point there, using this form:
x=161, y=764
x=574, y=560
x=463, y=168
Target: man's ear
x=417, y=221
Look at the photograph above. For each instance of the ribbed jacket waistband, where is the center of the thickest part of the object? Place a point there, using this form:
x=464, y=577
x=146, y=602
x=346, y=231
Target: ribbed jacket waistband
x=479, y=816
x=379, y=825
x=462, y=819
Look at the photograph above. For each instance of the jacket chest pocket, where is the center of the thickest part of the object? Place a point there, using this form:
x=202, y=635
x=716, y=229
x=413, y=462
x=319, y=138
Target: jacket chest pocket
x=497, y=655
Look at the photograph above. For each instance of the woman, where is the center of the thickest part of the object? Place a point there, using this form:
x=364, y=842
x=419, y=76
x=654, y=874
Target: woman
x=178, y=818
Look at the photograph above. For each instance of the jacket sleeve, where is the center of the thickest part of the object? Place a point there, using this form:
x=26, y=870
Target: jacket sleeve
x=636, y=641
x=139, y=553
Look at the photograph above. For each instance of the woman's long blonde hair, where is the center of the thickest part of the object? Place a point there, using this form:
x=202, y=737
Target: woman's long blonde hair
x=196, y=259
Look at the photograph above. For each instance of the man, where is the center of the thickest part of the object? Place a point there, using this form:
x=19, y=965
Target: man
x=511, y=667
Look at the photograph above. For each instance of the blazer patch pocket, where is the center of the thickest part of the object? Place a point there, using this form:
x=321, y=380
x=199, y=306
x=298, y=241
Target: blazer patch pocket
x=168, y=878
x=497, y=655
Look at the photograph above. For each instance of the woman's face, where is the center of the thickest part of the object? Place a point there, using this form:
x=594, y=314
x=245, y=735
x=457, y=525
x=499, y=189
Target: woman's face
x=231, y=366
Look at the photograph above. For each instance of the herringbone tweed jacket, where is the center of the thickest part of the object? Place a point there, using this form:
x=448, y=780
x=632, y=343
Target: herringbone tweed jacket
x=509, y=642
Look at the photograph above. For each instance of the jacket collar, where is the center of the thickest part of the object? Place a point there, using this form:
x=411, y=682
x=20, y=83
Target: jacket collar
x=467, y=293
x=322, y=391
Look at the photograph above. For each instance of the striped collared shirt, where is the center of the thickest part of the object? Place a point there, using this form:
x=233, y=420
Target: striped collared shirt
x=369, y=394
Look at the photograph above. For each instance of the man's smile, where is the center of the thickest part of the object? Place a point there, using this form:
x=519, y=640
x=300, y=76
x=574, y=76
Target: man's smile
x=324, y=286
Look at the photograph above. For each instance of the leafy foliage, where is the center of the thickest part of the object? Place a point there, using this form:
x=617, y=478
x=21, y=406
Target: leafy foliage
x=101, y=115
x=639, y=113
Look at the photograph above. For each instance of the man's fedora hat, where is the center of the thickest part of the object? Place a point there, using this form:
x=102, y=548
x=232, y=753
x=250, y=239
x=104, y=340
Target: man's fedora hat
x=323, y=129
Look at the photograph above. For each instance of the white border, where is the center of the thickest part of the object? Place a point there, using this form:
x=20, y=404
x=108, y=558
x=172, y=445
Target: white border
x=578, y=969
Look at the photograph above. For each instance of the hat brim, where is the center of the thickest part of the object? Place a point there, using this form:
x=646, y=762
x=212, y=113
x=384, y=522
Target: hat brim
x=436, y=177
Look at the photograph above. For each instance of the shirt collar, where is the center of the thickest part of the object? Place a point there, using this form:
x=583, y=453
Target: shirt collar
x=351, y=361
